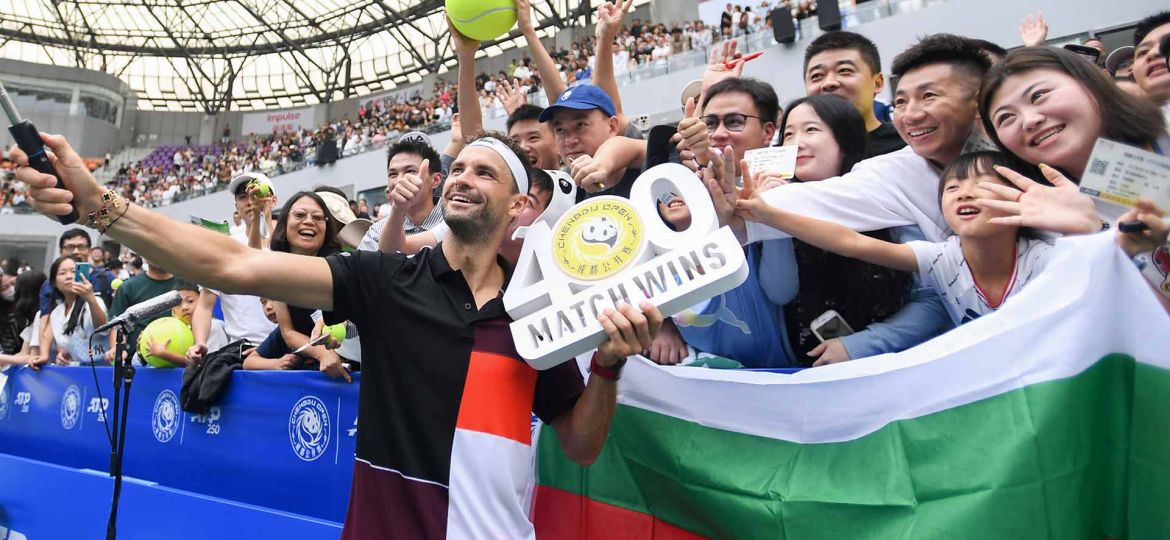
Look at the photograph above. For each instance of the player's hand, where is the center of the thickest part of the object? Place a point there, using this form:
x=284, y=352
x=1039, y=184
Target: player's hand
x=630, y=331
x=81, y=191
x=332, y=366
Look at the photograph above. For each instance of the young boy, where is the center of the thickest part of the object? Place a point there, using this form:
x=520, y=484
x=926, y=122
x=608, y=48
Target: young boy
x=974, y=271
x=189, y=292
x=273, y=353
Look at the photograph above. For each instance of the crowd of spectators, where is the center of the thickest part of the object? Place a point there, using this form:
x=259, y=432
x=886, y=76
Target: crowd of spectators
x=883, y=234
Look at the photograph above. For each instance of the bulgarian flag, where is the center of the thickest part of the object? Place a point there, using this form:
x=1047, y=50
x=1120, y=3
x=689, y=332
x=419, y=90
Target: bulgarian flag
x=1048, y=419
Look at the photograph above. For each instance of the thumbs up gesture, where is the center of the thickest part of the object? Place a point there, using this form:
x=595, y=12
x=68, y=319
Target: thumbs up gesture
x=692, y=141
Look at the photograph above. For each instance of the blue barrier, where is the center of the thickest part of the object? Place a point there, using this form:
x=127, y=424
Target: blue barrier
x=278, y=440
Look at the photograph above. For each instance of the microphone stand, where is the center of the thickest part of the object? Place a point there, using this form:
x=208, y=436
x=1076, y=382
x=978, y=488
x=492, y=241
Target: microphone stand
x=123, y=378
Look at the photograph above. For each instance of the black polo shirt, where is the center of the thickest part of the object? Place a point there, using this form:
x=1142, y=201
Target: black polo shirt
x=446, y=401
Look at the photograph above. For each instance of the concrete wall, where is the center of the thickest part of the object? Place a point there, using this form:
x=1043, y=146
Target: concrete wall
x=91, y=137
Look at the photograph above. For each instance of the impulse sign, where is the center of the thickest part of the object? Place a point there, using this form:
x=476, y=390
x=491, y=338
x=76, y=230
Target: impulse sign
x=608, y=250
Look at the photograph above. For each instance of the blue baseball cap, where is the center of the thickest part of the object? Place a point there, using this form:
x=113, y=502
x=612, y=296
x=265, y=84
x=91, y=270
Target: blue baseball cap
x=581, y=97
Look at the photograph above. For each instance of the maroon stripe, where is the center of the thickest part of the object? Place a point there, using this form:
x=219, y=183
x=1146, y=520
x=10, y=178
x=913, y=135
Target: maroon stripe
x=384, y=504
x=494, y=336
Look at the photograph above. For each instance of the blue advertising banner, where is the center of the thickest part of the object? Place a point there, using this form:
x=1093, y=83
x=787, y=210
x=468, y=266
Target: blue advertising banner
x=279, y=440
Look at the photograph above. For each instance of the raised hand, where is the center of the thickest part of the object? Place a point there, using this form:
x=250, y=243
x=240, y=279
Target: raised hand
x=719, y=176
x=464, y=46
x=1033, y=30
x=1059, y=208
x=83, y=289
x=750, y=202
x=692, y=138
x=724, y=63
x=524, y=16
x=510, y=96
x=409, y=189
x=609, y=18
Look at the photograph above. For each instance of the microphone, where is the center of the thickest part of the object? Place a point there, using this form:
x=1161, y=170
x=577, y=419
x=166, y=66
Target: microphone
x=144, y=310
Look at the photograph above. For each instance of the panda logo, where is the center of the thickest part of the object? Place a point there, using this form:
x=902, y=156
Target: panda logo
x=600, y=230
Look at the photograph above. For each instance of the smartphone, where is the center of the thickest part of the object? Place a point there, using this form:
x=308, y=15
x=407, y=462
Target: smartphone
x=1093, y=55
x=83, y=269
x=830, y=325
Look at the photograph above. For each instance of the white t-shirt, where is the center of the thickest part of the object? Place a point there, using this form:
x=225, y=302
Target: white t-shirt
x=891, y=190
x=77, y=342
x=943, y=268
x=31, y=333
x=243, y=316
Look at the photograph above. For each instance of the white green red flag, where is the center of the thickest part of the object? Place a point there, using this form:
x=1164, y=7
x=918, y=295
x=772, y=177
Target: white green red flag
x=1048, y=419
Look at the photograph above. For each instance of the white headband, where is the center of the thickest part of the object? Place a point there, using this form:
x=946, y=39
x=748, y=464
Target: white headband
x=510, y=158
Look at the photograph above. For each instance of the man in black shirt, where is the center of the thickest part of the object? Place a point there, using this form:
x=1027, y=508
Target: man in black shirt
x=444, y=446
x=848, y=64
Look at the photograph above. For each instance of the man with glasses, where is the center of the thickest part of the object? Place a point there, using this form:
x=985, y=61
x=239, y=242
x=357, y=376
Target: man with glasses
x=75, y=244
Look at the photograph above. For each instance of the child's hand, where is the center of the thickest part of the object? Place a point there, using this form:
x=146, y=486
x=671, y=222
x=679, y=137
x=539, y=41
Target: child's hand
x=750, y=204
x=1136, y=243
x=156, y=348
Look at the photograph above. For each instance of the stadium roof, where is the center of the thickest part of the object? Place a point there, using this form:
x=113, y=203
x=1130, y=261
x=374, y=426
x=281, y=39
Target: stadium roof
x=216, y=55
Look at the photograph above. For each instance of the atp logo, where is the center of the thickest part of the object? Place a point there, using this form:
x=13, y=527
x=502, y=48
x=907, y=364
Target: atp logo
x=22, y=400
x=164, y=421
x=211, y=419
x=308, y=428
x=99, y=407
x=70, y=406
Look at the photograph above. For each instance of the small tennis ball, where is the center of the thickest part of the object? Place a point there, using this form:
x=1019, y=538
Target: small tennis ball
x=482, y=20
x=116, y=283
x=167, y=328
x=262, y=190
x=337, y=331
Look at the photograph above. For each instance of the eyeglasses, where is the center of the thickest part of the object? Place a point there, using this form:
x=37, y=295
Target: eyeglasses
x=301, y=215
x=734, y=122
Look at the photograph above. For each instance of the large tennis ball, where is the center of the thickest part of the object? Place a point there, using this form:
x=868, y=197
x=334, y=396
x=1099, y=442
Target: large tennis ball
x=482, y=20
x=162, y=330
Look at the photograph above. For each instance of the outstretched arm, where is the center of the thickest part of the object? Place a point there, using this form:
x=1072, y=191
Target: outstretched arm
x=470, y=114
x=190, y=251
x=545, y=65
x=823, y=234
x=609, y=20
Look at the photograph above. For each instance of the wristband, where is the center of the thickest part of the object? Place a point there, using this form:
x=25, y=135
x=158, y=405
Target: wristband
x=611, y=373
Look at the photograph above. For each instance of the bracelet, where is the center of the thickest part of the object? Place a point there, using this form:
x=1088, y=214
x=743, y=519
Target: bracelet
x=611, y=373
x=112, y=209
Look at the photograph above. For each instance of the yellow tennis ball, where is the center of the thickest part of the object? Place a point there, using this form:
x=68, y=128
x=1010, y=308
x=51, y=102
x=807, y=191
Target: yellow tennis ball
x=167, y=328
x=482, y=20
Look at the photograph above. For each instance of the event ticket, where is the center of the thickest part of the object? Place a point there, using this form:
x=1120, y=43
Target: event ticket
x=1119, y=173
x=781, y=159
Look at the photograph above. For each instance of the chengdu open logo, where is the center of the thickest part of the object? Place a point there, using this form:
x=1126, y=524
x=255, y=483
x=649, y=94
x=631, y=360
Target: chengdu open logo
x=609, y=250
x=308, y=428
x=598, y=238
